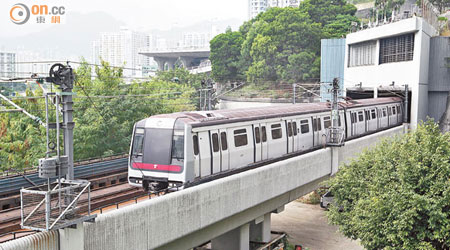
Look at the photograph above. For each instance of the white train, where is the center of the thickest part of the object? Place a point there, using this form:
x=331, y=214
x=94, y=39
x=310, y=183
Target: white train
x=179, y=149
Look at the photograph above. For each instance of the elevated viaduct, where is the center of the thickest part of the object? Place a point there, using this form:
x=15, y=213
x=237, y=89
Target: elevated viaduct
x=229, y=212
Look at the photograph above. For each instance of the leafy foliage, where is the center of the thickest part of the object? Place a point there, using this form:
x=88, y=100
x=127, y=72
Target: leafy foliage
x=397, y=195
x=281, y=44
x=225, y=56
x=105, y=110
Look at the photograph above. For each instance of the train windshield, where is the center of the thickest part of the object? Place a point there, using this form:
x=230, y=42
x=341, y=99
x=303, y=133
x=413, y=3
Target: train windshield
x=157, y=145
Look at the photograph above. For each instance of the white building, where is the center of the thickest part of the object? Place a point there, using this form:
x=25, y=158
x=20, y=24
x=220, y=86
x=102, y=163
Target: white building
x=122, y=48
x=283, y=3
x=195, y=40
x=394, y=54
x=257, y=6
x=7, y=64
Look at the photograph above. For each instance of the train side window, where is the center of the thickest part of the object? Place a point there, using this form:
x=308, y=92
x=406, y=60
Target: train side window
x=257, y=135
x=240, y=137
x=215, y=142
x=195, y=144
x=398, y=110
x=389, y=111
x=276, y=131
x=223, y=140
x=384, y=112
x=366, y=112
x=264, y=134
x=316, y=124
x=178, y=145
x=289, y=127
x=393, y=110
x=373, y=114
x=138, y=143
x=360, y=116
x=326, y=122
x=354, y=118
x=304, y=126
x=294, y=127
x=339, y=120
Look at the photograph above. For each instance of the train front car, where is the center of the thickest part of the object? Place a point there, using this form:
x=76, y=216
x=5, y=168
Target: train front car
x=157, y=154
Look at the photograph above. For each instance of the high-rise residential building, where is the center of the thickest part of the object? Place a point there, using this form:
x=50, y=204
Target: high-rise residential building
x=283, y=3
x=195, y=40
x=257, y=6
x=122, y=49
x=7, y=64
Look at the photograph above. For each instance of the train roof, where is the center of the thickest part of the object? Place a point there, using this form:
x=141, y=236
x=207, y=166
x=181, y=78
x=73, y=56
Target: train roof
x=214, y=117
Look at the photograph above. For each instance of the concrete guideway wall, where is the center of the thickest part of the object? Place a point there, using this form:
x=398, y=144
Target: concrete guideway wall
x=195, y=215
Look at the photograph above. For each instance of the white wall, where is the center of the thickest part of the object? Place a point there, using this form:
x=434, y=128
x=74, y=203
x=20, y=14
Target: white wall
x=414, y=73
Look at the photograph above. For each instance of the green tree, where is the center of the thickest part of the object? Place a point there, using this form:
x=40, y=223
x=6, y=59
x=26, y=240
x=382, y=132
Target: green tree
x=106, y=108
x=274, y=36
x=281, y=44
x=226, y=56
x=22, y=140
x=397, y=195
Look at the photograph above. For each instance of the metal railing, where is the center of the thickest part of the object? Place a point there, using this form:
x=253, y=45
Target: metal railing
x=58, y=207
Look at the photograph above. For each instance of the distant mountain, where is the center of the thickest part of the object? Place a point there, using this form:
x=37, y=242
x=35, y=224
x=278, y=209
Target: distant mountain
x=73, y=38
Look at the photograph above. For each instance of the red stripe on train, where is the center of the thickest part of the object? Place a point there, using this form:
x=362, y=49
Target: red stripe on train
x=157, y=167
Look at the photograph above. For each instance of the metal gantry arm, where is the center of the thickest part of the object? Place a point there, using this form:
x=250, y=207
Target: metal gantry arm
x=35, y=118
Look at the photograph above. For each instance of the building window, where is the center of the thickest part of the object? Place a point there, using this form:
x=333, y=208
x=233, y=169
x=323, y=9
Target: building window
x=397, y=49
x=361, y=54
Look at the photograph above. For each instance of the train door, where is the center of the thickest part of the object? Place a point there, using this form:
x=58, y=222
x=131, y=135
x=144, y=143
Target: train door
x=240, y=146
x=317, y=128
x=277, y=138
x=205, y=153
x=224, y=152
x=295, y=130
x=196, y=154
x=215, y=150
x=305, y=134
x=290, y=136
x=257, y=141
x=264, y=144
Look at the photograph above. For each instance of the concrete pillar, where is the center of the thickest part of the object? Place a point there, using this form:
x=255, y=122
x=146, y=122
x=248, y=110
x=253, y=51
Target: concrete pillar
x=160, y=61
x=171, y=63
x=260, y=229
x=334, y=160
x=236, y=239
x=72, y=238
x=186, y=61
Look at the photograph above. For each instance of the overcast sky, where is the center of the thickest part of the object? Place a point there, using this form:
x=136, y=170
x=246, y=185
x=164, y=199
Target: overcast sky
x=143, y=14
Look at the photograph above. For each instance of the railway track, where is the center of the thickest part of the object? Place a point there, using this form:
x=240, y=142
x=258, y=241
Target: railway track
x=10, y=185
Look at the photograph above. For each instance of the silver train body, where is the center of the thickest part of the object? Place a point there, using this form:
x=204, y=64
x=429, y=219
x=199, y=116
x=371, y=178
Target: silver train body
x=176, y=150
